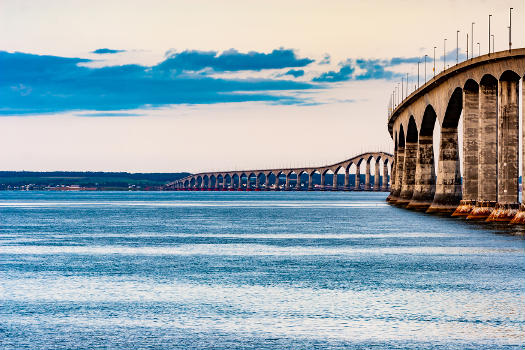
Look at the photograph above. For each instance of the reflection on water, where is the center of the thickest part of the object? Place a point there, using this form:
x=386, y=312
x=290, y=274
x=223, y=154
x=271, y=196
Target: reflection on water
x=253, y=270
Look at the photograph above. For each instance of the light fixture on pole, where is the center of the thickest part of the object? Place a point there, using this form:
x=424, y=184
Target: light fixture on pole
x=434, y=61
x=472, y=39
x=426, y=68
x=479, y=50
x=457, y=46
x=418, y=62
x=444, y=55
x=489, y=33
x=510, y=29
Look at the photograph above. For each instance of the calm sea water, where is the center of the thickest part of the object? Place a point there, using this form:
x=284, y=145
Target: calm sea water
x=259, y=270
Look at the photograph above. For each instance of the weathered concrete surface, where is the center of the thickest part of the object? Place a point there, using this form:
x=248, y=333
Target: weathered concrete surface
x=358, y=177
x=367, y=175
x=399, y=162
x=409, y=174
x=377, y=185
x=508, y=150
x=384, y=184
x=425, y=176
x=470, y=149
x=448, y=184
x=488, y=151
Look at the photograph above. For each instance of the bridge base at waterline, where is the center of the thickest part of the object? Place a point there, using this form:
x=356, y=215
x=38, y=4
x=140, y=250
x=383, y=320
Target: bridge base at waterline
x=519, y=218
x=419, y=205
x=465, y=208
x=444, y=204
x=482, y=210
x=504, y=212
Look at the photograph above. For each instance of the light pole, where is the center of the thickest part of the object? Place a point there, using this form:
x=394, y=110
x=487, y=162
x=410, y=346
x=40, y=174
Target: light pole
x=434, y=61
x=407, y=86
x=467, y=46
x=418, y=74
x=479, y=50
x=489, y=33
x=457, y=46
x=472, y=39
x=444, y=55
x=492, y=35
x=510, y=29
x=426, y=68
x=402, y=89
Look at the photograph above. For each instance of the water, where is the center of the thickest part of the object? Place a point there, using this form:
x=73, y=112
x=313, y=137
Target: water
x=237, y=270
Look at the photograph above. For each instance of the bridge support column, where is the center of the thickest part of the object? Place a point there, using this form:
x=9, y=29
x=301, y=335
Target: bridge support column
x=470, y=149
x=409, y=173
x=298, y=183
x=267, y=182
x=357, y=178
x=384, y=183
x=376, y=176
x=334, y=182
x=425, y=176
x=520, y=216
x=287, y=184
x=347, y=179
x=487, y=151
x=248, y=187
x=277, y=183
x=257, y=182
x=448, y=186
x=367, y=176
x=310, y=182
x=399, y=164
x=323, y=181
x=508, y=150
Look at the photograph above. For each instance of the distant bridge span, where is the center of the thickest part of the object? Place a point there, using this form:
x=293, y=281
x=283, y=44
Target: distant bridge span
x=484, y=91
x=295, y=178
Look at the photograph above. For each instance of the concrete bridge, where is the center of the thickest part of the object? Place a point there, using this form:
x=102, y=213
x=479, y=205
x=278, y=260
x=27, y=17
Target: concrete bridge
x=297, y=178
x=484, y=92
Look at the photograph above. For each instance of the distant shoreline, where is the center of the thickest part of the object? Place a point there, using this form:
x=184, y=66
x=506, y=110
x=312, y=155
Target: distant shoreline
x=85, y=181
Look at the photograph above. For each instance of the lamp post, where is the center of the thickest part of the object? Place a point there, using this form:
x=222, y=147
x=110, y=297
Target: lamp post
x=479, y=50
x=510, y=29
x=444, y=55
x=407, y=86
x=467, y=46
x=426, y=68
x=457, y=46
x=492, y=35
x=489, y=33
x=418, y=74
x=472, y=39
x=434, y=61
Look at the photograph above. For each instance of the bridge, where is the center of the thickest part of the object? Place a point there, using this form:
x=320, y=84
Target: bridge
x=484, y=92
x=297, y=178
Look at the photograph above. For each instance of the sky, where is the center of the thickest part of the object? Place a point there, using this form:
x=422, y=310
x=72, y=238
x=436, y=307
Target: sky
x=172, y=86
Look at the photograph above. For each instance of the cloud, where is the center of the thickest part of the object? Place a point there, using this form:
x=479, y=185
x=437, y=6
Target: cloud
x=343, y=74
x=232, y=60
x=106, y=51
x=296, y=73
x=44, y=84
x=326, y=59
x=374, y=69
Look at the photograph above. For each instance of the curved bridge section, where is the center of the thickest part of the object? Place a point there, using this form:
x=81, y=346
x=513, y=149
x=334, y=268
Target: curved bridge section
x=297, y=179
x=485, y=93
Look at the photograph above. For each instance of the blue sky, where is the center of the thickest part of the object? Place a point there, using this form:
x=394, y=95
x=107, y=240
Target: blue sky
x=195, y=85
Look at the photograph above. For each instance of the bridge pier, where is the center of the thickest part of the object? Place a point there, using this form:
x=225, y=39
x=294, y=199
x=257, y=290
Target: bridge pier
x=358, y=177
x=400, y=162
x=334, y=182
x=448, y=185
x=384, y=184
x=520, y=215
x=487, y=152
x=376, y=176
x=347, y=178
x=287, y=183
x=470, y=149
x=508, y=149
x=310, y=182
x=367, y=175
x=425, y=176
x=323, y=181
x=409, y=173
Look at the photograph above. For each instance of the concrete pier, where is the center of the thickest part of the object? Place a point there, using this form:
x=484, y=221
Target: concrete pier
x=488, y=151
x=508, y=149
x=425, y=176
x=409, y=173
